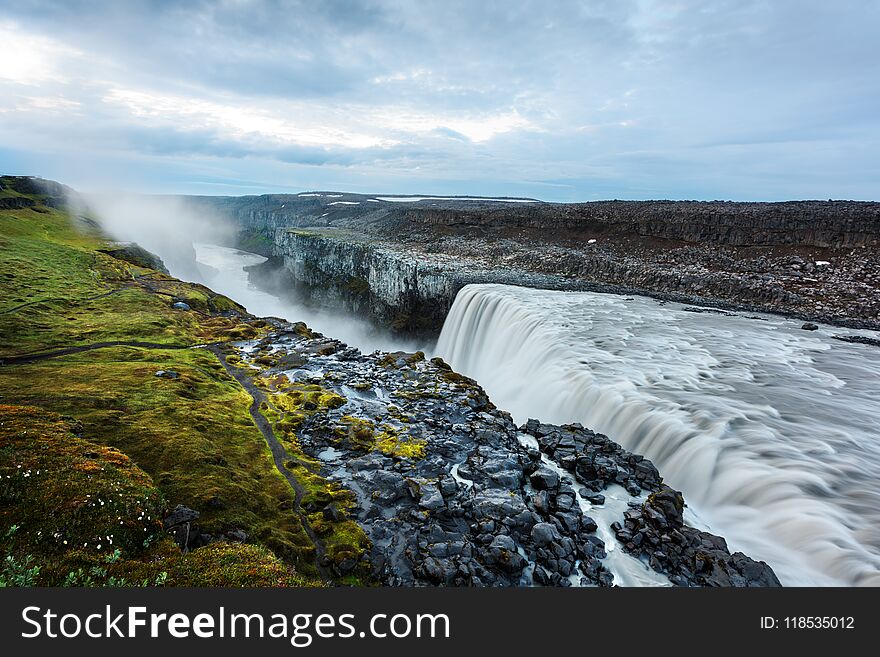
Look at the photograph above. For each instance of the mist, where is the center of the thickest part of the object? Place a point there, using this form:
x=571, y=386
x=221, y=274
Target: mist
x=165, y=225
x=227, y=274
x=195, y=246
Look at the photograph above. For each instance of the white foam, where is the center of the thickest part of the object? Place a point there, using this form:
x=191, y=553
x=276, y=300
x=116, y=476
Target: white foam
x=771, y=432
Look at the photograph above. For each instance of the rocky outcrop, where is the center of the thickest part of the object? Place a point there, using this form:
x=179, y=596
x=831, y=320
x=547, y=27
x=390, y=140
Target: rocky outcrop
x=339, y=268
x=409, y=283
x=448, y=490
x=136, y=255
x=657, y=533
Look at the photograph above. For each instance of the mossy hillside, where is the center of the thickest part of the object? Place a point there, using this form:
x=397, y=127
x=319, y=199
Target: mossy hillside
x=57, y=289
x=218, y=564
x=73, y=512
x=64, y=492
x=193, y=434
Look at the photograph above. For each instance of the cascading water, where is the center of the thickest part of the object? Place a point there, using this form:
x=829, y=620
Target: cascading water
x=771, y=432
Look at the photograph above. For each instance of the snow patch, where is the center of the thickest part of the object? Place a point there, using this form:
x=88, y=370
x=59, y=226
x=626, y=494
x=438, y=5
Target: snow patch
x=413, y=199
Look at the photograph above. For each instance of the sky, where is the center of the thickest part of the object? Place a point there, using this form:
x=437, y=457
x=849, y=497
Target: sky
x=557, y=100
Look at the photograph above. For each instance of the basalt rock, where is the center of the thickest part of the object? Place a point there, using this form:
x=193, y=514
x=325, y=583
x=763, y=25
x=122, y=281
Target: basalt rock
x=657, y=533
x=448, y=490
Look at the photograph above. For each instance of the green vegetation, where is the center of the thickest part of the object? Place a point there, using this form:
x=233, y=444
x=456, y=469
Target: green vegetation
x=255, y=242
x=363, y=434
x=77, y=513
x=150, y=441
x=193, y=434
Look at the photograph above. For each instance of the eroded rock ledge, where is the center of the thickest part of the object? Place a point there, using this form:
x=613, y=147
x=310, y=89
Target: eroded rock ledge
x=448, y=491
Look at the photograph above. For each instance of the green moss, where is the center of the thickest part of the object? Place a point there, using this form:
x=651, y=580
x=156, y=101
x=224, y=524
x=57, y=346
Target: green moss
x=193, y=434
x=192, y=438
x=304, y=331
x=357, y=431
x=392, y=442
x=54, y=286
x=363, y=435
x=343, y=540
x=64, y=492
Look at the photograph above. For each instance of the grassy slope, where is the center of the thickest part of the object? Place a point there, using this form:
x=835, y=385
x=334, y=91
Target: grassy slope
x=92, y=516
x=193, y=435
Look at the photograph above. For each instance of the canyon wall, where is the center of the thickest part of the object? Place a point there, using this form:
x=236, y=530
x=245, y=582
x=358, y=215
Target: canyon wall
x=400, y=262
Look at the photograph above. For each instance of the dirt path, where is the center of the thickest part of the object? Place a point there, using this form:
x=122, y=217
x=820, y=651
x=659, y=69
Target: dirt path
x=279, y=453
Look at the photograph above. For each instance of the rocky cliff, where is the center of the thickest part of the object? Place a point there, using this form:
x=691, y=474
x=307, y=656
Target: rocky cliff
x=402, y=261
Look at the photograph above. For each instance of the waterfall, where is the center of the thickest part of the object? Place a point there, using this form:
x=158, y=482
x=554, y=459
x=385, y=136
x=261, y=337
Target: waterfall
x=771, y=432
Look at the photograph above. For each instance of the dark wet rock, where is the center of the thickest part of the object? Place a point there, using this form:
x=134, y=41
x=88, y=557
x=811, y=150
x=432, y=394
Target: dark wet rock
x=543, y=534
x=179, y=523
x=690, y=557
x=858, y=339
x=236, y=536
x=809, y=326
x=477, y=506
x=179, y=516
x=167, y=374
x=431, y=498
x=544, y=479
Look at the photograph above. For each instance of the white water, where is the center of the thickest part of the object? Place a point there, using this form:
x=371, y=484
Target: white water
x=227, y=276
x=771, y=432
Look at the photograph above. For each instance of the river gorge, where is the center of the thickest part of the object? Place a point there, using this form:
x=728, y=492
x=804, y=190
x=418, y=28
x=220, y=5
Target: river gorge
x=742, y=412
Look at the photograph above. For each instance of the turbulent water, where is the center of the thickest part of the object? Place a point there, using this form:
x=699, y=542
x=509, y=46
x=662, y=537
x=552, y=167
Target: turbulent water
x=772, y=432
x=223, y=271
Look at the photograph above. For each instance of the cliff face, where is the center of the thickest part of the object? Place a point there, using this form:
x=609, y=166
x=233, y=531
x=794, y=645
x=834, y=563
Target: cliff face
x=337, y=268
x=410, y=286
x=401, y=262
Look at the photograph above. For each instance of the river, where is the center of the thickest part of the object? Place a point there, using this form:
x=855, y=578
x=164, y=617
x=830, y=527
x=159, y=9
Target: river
x=223, y=270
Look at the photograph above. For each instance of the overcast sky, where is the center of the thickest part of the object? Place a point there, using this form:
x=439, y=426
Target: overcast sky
x=713, y=99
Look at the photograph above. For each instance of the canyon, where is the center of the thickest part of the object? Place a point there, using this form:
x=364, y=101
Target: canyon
x=401, y=260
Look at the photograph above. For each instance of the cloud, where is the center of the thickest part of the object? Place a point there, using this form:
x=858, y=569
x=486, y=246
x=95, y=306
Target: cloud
x=625, y=97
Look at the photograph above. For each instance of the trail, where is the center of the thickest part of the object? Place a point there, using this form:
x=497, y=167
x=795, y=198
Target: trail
x=279, y=453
